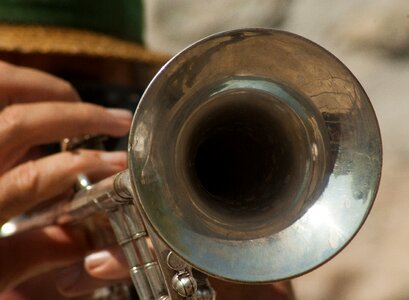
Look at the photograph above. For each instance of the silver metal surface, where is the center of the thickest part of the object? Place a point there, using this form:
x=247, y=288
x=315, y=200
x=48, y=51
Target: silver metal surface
x=184, y=284
x=325, y=155
x=130, y=233
x=85, y=203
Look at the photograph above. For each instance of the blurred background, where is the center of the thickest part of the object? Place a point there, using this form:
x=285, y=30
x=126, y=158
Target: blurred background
x=372, y=39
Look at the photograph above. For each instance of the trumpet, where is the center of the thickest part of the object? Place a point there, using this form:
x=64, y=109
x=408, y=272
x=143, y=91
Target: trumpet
x=254, y=156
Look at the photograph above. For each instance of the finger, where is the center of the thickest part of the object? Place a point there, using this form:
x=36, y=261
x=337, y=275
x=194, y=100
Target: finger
x=22, y=155
x=109, y=264
x=99, y=269
x=19, y=85
x=35, y=252
x=25, y=125
x=41, y=123
x=35, y=181
x=75, y=281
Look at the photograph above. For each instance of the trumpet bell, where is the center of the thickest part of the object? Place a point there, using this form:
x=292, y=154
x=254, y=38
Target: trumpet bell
x=255, y=155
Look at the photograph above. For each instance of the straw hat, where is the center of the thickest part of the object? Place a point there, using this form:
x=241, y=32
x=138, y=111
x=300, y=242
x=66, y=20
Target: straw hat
x=102, y=29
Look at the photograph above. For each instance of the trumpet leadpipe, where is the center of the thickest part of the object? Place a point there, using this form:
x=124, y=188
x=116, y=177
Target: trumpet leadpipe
x=104, y=195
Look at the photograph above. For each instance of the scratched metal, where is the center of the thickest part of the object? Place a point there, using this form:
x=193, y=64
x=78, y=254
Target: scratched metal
x=335, y=153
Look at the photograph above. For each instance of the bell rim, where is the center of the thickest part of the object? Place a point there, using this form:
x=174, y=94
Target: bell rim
x=185, y=253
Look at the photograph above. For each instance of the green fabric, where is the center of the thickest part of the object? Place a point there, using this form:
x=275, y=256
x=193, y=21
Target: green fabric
x=121, y=18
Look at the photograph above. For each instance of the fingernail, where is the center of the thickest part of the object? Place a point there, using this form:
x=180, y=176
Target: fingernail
x=97, y=259
x=120, y=113
x=68, y=277
x=115, y=158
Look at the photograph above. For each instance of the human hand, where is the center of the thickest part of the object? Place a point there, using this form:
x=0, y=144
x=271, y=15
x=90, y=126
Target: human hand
x=37, y=109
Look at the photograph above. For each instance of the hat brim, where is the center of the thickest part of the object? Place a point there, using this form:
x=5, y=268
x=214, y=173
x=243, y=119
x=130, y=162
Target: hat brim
x=68, y=41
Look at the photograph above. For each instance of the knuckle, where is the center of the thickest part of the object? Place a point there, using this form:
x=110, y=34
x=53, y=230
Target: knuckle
x=67, y=91
x=90, y=112
x=27, y=177
x=78, y=161
x=11, y=118
x=93, y=108
x=6, y=68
